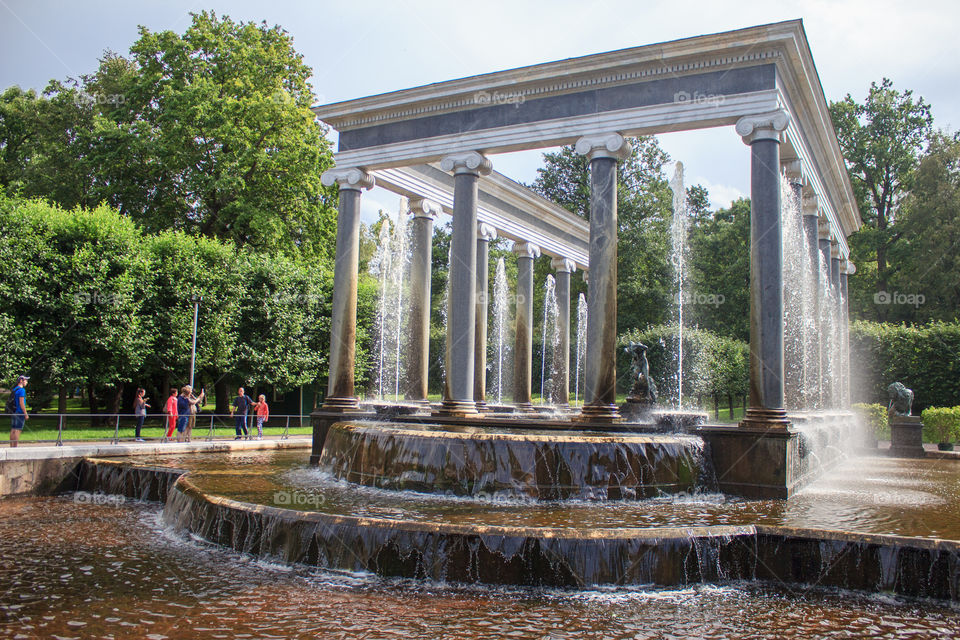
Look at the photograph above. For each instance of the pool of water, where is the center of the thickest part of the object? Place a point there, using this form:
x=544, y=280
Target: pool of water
x=864, y=495
x=100, y=566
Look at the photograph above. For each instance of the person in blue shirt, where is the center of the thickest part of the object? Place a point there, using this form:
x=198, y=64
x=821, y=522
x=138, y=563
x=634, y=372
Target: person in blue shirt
x=183, y=412
x=19, y=410
x=241, y=405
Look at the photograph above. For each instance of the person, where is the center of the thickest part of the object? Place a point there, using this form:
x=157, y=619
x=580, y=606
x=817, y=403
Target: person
x=263, y=412
x=241, y=405
x=19, y=416
x=171, y=411
x=140, y=407
x=195, y=403
x=183, y=411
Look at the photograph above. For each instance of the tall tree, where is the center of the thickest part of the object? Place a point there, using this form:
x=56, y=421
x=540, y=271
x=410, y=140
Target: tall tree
x=882, y=140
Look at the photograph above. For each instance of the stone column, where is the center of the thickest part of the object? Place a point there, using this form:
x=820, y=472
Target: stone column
x=811, y=230
x=418, y=356
x=762, y=133
x=795, y=366
x=485, y=233
x=462, y=307
x=600, y=379
x=826, y=297
x=523, y=344
x=341, y=395
x=837, y=351
x=561, y=384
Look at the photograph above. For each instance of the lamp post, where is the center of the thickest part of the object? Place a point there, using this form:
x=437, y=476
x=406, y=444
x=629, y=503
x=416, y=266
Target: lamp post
x=193, y=351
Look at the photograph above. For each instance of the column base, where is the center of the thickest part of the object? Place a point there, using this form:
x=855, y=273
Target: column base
x=348, y=404
x=458, y=409
x=599, y=413
x=481, y=406
x=523, y=407
x=765, y=419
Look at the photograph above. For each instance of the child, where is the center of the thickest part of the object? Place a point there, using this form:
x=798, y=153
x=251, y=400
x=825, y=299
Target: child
x=263, y=412
x=171, y=412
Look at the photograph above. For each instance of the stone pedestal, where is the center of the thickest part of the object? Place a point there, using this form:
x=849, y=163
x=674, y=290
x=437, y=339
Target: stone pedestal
x=906, y=437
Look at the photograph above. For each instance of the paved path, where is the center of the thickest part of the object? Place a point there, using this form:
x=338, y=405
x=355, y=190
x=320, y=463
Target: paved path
x=103, y=448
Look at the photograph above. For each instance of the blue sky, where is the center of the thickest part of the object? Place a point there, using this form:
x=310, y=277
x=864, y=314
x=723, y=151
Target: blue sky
x=365, y=48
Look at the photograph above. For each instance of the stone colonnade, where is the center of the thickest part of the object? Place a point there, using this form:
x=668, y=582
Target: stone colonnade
x=465, y=385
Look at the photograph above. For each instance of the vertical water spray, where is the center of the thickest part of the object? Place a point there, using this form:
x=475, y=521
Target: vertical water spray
x=796, y=302
x=678, y=258
x=380, y=267
x=401, y=250
x=581, y=346
x=501, y=305
x=389, y=265
x=551, y=339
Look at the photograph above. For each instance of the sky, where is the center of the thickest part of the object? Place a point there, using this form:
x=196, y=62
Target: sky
x=363, y=48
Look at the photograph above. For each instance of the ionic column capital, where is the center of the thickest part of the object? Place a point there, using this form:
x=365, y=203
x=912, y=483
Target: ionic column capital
x=608, y=145
x=834, y=249
x=810, y=205
x=486, y=232
x=423, y=208
x=562, y=265
x=764, y=126
x=849, y=268
x=526, y=250
x=469, y=162
x=793, y=170
x=348, y=178
x=823, y=228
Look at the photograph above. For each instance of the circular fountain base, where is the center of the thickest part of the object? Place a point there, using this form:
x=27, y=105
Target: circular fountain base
x=488, y=461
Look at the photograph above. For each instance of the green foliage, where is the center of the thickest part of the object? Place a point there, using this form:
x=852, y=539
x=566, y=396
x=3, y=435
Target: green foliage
x=875, y=416
x=209, y=132
x=720, y=271
x=714, y=365
x=941, y=424
x=924, y=358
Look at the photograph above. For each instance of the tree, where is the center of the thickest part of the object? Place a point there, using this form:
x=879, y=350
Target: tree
x=720, y=270
x=930, y=222
x=882, y=140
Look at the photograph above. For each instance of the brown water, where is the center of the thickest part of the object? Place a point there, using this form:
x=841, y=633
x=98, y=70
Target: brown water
x=88, y=566
x=864, y=495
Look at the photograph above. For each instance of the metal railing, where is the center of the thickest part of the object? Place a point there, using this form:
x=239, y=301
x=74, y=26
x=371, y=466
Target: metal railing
x=101, y=422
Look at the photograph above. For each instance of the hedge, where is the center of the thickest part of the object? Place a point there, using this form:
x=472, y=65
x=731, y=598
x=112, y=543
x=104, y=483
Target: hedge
x=941, y=424
x=924, y=358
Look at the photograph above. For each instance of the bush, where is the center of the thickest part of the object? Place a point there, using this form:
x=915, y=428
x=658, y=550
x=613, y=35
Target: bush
x=874, y=416
x=941, y=424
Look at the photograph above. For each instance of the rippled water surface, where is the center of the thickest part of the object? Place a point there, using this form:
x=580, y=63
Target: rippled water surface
x=84, y=566
x=864, y=495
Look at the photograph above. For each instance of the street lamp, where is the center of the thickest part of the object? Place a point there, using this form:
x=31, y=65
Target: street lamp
x=193, y=352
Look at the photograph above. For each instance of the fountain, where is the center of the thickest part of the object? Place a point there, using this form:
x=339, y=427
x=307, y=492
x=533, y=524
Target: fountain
x=389, y=265
x=678, y=258
x=581, y=344
x=596, y=497
x=500, y=345
x=550, y=341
